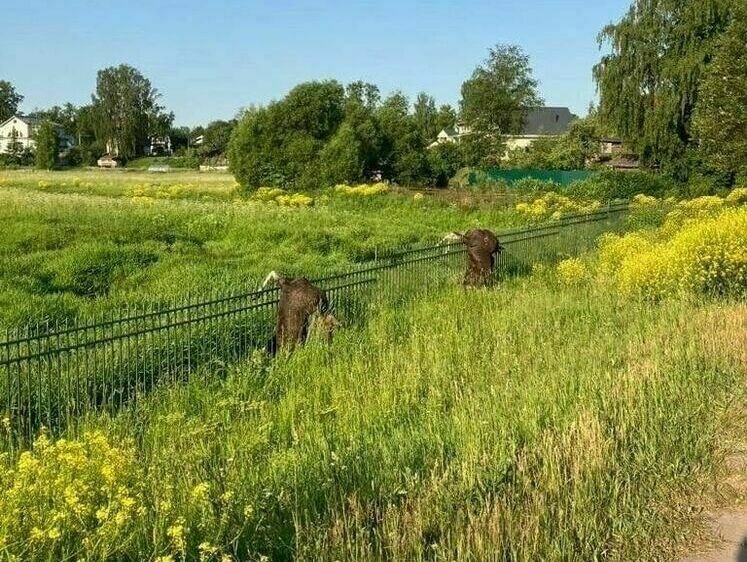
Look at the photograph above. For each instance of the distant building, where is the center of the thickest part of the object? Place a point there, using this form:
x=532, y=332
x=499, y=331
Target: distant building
x=109, y=161
x=198, y=140
x=154, y=146
x=540, y=122
x=451, y=134
x=614, y=154
x=158, y=146
x=21, y=129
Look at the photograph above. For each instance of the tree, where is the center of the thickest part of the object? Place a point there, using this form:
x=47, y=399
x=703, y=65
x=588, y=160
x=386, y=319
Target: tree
x=215, y=138
x=126, y=110
x=280, y=144
x=14, y=148
x=425, y=117
x=496, y=98
x=719, y=119
x=444, y=161
x=9, y=100
x=403, y=155
x=649, y=83
x=47, y=145
x=446, y=117
x=65, y=116
x=342, y=159
x=88, y=147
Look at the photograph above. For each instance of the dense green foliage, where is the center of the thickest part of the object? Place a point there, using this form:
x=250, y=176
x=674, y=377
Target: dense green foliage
x=321, y=134
x=650, y=82
x=126, y=110
x=500, y=91
x=215, y=138
x=10, y=99
x=47, y=146
x=720, y=123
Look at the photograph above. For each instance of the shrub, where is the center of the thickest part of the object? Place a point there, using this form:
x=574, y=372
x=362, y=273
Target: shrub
x=571, y=271
x=704, y=256
x=554, y=206
x=362, y=190
x=281, y=197
x=609, y=184
x=738, y=196
x=71, y=500
x=295, y=200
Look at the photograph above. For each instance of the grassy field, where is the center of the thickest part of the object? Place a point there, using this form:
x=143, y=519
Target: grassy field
x=532, y=421
x=80, y=242
x=579, y=412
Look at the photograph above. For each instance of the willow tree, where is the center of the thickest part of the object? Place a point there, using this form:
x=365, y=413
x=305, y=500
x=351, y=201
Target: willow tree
x=650, y=80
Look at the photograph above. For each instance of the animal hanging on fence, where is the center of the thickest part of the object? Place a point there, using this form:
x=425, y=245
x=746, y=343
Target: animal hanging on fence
x=303, y=309
x=482, y=247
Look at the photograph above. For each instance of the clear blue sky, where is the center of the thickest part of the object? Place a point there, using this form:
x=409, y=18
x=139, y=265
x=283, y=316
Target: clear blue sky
x=209, y=58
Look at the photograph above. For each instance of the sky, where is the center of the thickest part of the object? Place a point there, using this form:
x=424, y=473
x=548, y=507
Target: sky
x=211, y=58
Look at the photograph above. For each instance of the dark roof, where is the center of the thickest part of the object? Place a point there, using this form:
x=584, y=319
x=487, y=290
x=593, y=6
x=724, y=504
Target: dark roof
x=451, y=131
x=547, y=121
x=30, y=119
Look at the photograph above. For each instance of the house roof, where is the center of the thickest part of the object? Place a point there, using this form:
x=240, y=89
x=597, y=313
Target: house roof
x=451, y=131
x=547, y=121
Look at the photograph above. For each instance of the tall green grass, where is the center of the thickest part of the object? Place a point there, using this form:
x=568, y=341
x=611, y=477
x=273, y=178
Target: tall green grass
x=67, y=254
x=529, y=421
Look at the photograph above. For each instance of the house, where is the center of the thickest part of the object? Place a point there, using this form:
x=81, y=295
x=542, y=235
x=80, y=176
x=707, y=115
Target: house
x=20, y=129
x=451, y=134
x=198, y=140
x=540, y=122
x=614, y=154
x=158, y=146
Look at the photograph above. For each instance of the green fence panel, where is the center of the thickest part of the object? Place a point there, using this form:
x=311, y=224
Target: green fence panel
x=562, y=177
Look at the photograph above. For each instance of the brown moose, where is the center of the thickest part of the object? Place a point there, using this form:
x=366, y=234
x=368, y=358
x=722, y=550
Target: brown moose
x=301, y=306
x=482, y=247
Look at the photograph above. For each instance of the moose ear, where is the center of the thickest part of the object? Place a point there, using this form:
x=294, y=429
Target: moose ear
x=273, y=278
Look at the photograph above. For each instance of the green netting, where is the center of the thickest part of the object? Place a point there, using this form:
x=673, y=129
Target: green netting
x=562, y=177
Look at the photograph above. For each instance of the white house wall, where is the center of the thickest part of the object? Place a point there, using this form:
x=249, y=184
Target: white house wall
x=24, y=134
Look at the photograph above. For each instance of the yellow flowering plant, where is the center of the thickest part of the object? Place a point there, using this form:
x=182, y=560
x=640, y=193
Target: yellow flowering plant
x=554, y=206
x=706, y=255
x=571, y=271
x=68, y=499
x=362, y=190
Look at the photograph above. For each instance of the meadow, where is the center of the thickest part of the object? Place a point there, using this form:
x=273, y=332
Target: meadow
x=77, y=243
x=537, y=420
x=583, y=411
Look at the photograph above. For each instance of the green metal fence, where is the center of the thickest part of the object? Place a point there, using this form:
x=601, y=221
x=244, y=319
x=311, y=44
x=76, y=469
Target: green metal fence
x=50, y=376
x=561, y=177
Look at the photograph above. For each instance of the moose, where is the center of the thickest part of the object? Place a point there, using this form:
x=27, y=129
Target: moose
x=302, y=306
x=482, y=247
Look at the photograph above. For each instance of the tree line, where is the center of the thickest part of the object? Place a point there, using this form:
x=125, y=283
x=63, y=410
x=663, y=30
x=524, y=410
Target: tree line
x=672, y=84
x=124, y=113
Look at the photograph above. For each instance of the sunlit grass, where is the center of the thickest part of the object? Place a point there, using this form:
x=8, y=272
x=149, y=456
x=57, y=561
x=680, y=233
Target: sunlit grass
x=75, y=242
x=531, y=421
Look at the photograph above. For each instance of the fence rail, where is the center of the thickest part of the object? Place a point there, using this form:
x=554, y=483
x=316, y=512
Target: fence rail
x=50, y=376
